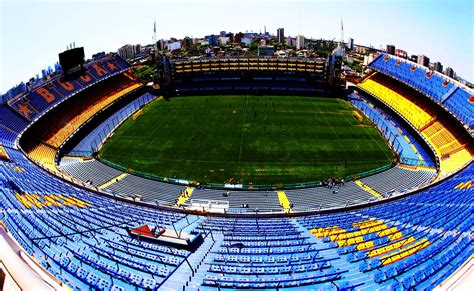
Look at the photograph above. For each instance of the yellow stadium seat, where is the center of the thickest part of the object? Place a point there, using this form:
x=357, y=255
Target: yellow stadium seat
x=445, y=143
x=411, y=111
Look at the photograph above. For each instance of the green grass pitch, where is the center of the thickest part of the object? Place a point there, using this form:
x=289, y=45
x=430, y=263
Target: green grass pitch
x=252, y=139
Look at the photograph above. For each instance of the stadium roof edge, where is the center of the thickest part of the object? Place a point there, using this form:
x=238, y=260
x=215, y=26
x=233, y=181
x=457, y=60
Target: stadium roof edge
x=45, y=83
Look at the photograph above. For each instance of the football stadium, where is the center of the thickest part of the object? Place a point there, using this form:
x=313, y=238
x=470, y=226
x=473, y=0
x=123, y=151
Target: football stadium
x=237, y=172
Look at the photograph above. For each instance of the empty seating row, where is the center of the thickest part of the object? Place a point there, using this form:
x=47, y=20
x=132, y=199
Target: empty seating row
x=406, y=106
x=407, y=146
x=443, y=90
x=87, y=246
x=445, y=141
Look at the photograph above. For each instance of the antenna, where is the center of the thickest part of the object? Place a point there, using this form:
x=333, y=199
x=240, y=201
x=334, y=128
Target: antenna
x=342, y=33
x=341, y=44
x=154, y=37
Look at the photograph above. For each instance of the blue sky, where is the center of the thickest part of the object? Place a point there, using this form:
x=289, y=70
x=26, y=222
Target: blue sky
x=34, y=32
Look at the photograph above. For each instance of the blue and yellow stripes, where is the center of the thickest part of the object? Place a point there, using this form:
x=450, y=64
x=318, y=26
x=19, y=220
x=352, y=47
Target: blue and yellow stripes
x=185, y=195
x=34, y=200
x=284, y=202
x=393, y=248
x=367, y=188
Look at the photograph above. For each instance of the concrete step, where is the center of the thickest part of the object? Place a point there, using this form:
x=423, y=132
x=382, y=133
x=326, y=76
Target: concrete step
x=201, y=271
x=181, y=277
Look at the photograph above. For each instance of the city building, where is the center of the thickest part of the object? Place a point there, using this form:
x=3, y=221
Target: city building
x=223, y=40
x=390, y=49
x=174, y=46
x=187, y=42
x=161, y=44
x=212, y=39
x=246, y=40
x=401, y=53
x=230, y=35
x=449, y=72
x=57, y=67
x=290, y=41
x=424, y=61
x=238, y=37
x=300, y=42
x=280, y=35
x=369, y=58
x=360, y=49
x=127, y=51
x=350, y=44
x=438, y=67
x=251, y=34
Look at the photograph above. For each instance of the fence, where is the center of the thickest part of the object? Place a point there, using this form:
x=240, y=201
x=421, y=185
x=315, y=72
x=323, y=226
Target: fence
x=105, y=130
x=393, y=139
x=380, y=122
x=280, y=186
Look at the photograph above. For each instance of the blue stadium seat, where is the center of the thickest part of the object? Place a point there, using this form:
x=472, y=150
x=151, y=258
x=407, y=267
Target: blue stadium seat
x=408, y=282
x=379, y=276
x=438, y=88
x=117, y=288
x=87, y=247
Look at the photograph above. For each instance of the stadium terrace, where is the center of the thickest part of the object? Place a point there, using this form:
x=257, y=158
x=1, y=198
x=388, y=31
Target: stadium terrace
x=381, y=200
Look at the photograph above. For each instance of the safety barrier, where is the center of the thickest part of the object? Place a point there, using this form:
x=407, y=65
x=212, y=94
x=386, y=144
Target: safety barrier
x=246, y=187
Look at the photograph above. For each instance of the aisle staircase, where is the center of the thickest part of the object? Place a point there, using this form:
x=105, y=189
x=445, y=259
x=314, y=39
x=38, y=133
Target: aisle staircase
x=367, y=188
x=198, y=261
x=185, y=195
x=113, y=181
x=284, y=202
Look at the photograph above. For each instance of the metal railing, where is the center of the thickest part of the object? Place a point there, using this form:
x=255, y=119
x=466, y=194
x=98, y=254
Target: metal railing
x=245, y=187
x=392, y=139
x=112, y=124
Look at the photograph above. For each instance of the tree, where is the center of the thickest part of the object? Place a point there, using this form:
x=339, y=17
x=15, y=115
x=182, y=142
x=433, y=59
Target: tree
x=145, y=72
